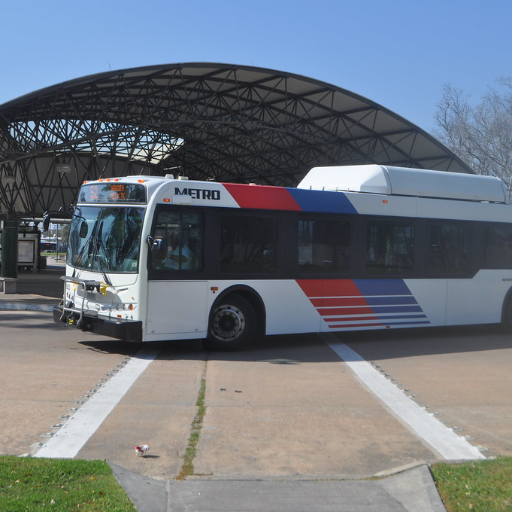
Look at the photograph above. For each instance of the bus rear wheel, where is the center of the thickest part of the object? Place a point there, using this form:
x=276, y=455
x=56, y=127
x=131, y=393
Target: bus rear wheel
x=232, y=324
x=506, y=319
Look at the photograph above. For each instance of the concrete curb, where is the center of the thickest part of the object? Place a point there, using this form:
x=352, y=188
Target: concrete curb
x=147, y=494
x=26, y=306
x=412, y=490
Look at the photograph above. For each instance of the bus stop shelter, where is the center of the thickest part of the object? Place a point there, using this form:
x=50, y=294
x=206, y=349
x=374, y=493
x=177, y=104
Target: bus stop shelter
x=205, y=121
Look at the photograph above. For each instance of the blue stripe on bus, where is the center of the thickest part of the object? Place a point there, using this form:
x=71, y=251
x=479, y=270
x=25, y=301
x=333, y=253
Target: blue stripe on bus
x=394, y=309
x=389, y=302
x=354, y=318
x=419, y=322
x=397, y=309
x=400, y=317
x=378, y=324
x=379, y=301
x=369, y=287
x=320, y=201
x=426, y=322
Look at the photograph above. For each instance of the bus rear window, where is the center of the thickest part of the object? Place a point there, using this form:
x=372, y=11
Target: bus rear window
x=498, y=246
x=449, y=249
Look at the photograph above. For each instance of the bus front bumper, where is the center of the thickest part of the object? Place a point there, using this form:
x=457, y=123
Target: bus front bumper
x=120, y=328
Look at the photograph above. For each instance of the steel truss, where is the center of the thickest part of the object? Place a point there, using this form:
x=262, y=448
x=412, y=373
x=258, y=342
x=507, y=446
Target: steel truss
x=205, y=121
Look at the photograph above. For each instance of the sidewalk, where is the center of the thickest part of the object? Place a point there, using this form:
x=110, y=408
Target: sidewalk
x=410, y=490
x=36, y=291
x=405, y=490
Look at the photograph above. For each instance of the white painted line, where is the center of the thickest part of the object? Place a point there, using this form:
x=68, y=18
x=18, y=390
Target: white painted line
x=73, y=435
x=442, y=439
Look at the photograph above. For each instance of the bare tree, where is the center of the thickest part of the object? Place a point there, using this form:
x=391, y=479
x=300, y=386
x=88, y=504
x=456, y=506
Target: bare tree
x=480, y=134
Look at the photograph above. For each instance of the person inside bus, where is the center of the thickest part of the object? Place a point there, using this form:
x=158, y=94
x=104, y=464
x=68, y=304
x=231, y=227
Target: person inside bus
x=178, y=256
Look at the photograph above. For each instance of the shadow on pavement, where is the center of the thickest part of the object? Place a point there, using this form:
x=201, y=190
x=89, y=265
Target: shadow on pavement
x=46, y=287
x=311, y=348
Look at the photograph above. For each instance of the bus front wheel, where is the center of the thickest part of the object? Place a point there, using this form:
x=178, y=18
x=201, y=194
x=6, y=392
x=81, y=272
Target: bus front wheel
x=232, y=324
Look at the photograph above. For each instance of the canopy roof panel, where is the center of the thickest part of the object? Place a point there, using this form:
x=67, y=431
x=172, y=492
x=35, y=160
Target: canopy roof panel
x=206, y=121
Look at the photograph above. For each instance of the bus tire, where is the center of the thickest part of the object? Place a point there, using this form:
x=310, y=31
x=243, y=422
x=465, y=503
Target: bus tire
x=232, y=324
x=506, y=317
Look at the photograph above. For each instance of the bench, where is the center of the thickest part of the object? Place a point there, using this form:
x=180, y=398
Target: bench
x=8, y=284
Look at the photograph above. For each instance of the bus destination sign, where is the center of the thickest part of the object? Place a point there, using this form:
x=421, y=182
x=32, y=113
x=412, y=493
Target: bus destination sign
x=112, y=192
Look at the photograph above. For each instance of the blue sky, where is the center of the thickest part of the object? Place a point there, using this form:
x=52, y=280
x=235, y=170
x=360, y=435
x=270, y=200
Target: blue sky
x=398, y=53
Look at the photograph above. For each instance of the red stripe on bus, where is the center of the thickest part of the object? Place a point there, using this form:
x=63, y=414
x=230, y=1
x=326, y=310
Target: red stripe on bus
x=329, y=288
x=345, y=311
x=338, y=302
x=262, y=197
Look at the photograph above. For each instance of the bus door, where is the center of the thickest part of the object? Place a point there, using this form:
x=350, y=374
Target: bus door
x=176, y=297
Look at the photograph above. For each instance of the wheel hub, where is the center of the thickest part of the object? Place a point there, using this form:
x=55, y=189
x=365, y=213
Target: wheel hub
x=228, y=323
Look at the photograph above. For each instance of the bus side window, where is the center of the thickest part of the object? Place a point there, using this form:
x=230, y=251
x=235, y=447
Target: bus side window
x=449, y=248
x=323, y=246
x=498, y=246
x=389, y=248
x=248, y=244
x=177, y=241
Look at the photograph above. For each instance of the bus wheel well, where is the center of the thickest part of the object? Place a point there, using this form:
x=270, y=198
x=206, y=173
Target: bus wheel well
x=506, y=314
x=251, y=298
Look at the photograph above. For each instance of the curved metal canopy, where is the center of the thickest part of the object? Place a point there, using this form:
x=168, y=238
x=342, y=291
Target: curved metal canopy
x=206, y=121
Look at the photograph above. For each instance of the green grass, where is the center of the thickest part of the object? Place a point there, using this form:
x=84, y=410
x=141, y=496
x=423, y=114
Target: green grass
x=29, y=484
x=187, y=468
x=482, y=486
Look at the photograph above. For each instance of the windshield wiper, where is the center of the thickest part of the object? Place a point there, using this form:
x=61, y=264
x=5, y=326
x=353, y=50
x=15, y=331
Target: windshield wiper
x=98, y=243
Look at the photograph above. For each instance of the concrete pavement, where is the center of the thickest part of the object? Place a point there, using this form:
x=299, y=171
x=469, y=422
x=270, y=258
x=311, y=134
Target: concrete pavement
x=410, y=489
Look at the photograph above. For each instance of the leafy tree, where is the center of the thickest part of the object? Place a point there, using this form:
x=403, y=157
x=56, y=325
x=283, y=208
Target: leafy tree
x=480, y=134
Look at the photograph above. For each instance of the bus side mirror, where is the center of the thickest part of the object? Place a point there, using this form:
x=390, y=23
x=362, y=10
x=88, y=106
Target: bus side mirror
x=156, y=247
x=47, y=218
x=84, y=229
x=61, y=213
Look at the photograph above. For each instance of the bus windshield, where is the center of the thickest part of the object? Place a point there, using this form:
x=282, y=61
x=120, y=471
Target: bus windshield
x=105, y=239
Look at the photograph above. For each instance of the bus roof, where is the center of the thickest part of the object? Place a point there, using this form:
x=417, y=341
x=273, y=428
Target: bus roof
x=381, y=179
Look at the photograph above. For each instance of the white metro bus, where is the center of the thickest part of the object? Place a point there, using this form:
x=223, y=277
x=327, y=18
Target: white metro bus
x=351, y=248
